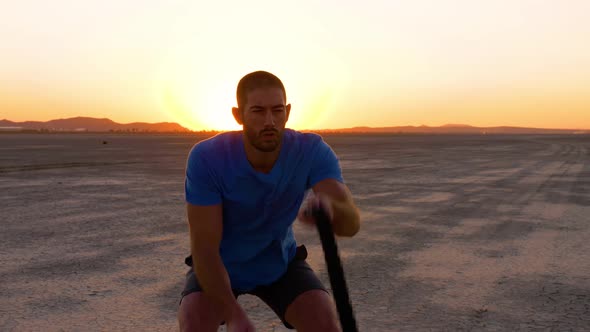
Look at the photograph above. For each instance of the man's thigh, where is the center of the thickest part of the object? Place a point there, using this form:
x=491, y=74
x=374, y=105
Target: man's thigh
x=313, y=310
x=197, y=312
x=293, y=287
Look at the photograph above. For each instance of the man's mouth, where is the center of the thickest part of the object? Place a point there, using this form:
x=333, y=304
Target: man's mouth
x=269, y=134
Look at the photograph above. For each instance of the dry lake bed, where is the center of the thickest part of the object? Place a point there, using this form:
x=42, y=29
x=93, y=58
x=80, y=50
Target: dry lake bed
x=459, y=233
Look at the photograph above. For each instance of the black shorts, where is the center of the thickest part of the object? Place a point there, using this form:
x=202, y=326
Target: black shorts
x=298, y=279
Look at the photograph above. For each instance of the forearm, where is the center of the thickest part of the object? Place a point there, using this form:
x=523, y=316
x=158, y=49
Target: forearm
x=346, y=218
x=214, y=279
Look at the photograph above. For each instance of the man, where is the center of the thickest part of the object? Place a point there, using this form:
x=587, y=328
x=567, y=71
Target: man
x=243, y=191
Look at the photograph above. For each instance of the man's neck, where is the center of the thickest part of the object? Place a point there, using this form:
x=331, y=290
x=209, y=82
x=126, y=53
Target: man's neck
x=261, y=161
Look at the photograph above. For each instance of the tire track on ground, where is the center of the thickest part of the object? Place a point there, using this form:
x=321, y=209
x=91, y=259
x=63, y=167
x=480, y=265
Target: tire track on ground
x=26, y=168
x=519, y=198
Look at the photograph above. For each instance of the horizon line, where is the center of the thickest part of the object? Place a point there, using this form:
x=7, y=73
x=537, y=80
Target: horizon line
x=450, y=125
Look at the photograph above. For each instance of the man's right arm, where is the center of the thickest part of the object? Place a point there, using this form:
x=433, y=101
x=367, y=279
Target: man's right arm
x=205, y=228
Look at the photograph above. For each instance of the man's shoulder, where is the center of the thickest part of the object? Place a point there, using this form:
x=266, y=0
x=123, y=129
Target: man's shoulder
x=306, y=139
x=213, y=146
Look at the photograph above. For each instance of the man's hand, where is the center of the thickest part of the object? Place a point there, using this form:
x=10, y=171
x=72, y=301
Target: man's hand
x=336, y=200
x=317, y=201
x=239, y=321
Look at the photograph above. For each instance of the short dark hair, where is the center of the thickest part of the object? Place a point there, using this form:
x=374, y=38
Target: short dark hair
x=255, y=80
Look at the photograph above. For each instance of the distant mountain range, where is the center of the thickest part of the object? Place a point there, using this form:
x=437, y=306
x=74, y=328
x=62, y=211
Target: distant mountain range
x=454, y=129
x=86, y=124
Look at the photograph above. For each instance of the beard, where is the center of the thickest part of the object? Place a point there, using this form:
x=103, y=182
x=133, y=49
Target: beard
x=262, y=144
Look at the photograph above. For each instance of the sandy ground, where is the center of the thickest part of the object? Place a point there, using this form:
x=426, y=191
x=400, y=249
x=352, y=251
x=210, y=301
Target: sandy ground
x=459, y=233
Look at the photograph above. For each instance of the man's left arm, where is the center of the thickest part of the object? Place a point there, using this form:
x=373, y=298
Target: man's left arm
x=336, y=199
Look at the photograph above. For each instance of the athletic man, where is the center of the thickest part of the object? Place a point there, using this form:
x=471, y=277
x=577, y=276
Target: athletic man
x=243, y=190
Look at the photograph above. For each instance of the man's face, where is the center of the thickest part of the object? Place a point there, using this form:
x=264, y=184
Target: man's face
x=264, y=118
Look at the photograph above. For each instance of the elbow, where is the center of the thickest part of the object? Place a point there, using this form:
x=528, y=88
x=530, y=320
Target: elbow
x=352, y=226
x=350, y=232
x=356, y=227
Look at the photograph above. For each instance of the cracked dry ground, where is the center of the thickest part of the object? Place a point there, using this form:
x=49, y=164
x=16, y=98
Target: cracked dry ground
x=460, y=233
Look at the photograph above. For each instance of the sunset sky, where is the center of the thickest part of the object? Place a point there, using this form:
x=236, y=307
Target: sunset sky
x=344, y=63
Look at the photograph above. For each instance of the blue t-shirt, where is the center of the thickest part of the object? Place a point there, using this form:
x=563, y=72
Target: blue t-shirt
x=258, y=208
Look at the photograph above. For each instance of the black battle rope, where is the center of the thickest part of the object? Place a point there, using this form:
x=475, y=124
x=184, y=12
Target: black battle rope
x=335, y=271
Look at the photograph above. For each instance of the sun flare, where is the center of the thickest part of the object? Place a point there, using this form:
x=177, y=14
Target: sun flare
x=213, y=107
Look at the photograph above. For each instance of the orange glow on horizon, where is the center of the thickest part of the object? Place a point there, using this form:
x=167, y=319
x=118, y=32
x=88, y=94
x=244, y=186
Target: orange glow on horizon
x=520, y=63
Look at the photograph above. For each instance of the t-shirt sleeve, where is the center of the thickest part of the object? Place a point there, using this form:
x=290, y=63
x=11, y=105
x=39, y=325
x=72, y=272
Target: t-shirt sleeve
x=200, y=187
x=325, y=165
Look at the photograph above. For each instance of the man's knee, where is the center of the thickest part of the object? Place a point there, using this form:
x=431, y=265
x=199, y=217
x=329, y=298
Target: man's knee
x=313, y=311
x=198, y=313
x=325, y=323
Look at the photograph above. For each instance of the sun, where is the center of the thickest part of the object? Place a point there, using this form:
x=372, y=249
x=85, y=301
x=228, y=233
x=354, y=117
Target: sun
x=200, y=94
x=213, y=109
x=199, y=106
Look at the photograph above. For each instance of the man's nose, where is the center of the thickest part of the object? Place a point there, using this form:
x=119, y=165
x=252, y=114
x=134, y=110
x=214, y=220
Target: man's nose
x=269, y=119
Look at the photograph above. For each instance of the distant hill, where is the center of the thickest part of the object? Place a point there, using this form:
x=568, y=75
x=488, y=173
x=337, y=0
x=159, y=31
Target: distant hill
x=453, y=129
x=86, y=124
x=82, y=124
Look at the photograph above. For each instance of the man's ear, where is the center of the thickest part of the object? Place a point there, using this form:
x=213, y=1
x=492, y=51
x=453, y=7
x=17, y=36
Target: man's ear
x=237, y=115
x=288, y=108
